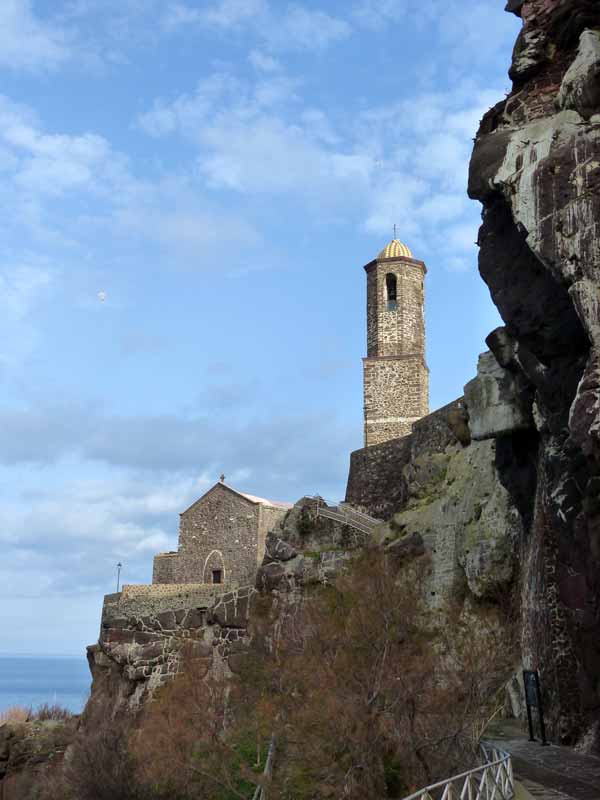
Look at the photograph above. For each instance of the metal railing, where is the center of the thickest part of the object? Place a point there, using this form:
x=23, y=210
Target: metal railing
x=262, y=788
x=493, y=780
x=341, y=512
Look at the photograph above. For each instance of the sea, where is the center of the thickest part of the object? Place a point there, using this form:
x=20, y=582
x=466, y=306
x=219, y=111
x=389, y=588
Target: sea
x=31, y=681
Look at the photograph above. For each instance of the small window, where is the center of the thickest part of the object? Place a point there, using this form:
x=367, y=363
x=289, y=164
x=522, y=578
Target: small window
x=217, y=575
x=391, y=291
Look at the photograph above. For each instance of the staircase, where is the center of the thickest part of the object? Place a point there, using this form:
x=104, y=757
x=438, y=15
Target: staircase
x=342, y=512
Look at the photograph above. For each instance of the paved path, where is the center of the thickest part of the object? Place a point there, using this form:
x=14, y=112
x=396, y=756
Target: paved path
x=548, y=773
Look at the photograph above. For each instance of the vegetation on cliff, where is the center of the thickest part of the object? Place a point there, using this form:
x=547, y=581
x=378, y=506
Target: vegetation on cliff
x=363, y=691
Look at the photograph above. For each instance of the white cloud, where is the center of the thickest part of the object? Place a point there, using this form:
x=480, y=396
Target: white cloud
x=22, y=288
x=463, y=236
x=458, y=264
x=302, y=29
x=27, y=42
x=45, y=173
x=293, y=28
x=223, y=14
x=395, y=196
x=65, y=539
x=257, y=137
x=459, y=29
x=198, y=232
x=188, y=113
x=377, y=14
x=50, y=163
x=263, y=62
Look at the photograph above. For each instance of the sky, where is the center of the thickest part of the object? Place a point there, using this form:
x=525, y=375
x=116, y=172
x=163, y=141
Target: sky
x=189, y=191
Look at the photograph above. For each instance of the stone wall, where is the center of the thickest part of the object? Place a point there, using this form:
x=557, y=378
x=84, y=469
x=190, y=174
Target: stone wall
x=153, y=598
x=396, y=378
x=396, y=392
x=221, y=531
x=401, y=331
x=270, y=519
x=377, y=480
x=165, y=568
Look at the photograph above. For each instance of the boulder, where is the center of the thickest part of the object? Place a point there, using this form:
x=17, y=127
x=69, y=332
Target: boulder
x=495, y=401
x=278, y=550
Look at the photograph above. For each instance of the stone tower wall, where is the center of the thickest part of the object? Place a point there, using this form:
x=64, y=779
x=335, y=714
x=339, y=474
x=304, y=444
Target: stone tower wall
x=399, y=332
x=396, y=395
x=396, y=378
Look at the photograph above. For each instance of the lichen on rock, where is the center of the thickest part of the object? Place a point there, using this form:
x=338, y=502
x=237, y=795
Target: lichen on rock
x=536, y=169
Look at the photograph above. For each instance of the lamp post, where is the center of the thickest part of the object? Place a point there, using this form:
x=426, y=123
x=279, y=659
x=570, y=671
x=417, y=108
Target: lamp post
x=119, y=566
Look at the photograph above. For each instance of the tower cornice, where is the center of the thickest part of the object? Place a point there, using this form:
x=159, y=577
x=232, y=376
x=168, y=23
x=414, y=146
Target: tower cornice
x=404, y=260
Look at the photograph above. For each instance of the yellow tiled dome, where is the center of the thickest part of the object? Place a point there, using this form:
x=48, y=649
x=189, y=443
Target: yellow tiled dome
x=395, y=249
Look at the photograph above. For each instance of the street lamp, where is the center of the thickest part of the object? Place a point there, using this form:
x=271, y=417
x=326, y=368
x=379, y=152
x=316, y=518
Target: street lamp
x=119, y=565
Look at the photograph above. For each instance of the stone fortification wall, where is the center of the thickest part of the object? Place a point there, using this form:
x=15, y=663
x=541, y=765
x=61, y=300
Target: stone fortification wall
x=141, y=648
x=140, y=599
x=377, y=481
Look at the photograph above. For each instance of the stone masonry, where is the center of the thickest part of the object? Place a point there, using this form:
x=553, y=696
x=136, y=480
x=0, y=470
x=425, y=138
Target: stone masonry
x=221, y=540
x=396, y=378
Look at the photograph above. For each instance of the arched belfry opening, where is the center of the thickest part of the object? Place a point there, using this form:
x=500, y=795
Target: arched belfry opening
x=391, y=291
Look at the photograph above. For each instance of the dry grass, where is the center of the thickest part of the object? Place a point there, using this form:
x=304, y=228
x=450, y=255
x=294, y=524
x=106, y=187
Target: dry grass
x=52, y=712
x=15, y=714
x=43, y=713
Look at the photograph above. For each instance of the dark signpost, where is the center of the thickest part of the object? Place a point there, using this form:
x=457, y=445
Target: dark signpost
x=533, y=699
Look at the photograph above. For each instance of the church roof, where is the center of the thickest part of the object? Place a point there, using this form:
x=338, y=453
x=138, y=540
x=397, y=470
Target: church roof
x=250, y=497
x=262, y=501
x=395, y=249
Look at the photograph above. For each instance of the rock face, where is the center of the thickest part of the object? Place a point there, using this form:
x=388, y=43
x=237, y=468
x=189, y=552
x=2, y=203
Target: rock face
x=461, y=515
x=496, y=401
x=536, y=169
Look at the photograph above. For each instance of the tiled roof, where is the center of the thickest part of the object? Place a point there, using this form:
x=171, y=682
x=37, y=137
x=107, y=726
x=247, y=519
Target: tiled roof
x=395, y=249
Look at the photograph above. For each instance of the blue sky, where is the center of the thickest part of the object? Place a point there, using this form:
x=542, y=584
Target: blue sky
x=219, y=172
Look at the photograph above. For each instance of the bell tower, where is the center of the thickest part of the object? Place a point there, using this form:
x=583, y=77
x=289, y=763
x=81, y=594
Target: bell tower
x=396, y=377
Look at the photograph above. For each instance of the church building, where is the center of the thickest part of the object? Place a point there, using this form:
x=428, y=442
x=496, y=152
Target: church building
x=396, y=377
x=221, y=539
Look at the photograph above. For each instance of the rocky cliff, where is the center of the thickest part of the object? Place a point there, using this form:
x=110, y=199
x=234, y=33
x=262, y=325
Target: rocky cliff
x=536, y=170
x=498, y=492
x=501, y=489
